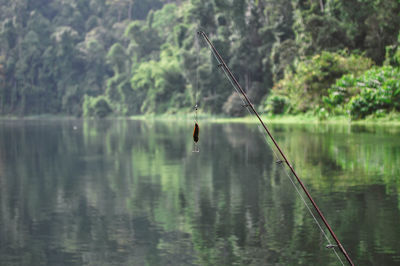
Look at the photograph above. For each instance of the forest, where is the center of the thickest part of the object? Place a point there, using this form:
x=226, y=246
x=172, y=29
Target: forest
x=94, y=58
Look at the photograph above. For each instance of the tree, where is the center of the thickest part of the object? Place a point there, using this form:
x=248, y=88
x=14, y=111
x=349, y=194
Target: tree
x=117, y=57
x=160, y=85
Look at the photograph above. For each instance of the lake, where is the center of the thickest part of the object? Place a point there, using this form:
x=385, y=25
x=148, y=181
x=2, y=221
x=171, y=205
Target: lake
x=123, y=192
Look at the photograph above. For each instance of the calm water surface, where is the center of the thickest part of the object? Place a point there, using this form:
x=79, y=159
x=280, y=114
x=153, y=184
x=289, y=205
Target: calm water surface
x=133, y=193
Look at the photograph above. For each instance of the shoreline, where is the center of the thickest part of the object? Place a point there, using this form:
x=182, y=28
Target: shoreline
x=281, y=119
x=390, y=120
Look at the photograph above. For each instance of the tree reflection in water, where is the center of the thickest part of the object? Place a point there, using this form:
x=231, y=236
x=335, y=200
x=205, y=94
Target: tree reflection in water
x=132, y=193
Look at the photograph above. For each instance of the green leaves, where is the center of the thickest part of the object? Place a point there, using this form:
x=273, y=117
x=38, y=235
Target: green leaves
x=146, y=40
x=277, y=104
x=117, y=57
x=96, y=106
x=307, y=84
x=374, y=92
x=160, y=84
x=55, y=54
x=378, y=92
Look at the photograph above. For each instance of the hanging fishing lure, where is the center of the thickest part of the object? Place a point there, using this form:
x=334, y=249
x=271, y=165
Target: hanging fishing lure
x=196, y=132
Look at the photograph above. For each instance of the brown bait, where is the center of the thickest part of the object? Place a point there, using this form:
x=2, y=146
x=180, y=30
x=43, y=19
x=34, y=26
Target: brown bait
x=196, y=133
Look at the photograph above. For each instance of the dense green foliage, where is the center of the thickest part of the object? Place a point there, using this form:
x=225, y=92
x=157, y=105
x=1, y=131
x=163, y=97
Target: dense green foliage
x=143, y=56
x=308, y=82
x=376, y=91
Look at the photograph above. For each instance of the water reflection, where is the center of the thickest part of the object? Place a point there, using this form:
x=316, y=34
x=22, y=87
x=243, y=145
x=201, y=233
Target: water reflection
x=133, y=193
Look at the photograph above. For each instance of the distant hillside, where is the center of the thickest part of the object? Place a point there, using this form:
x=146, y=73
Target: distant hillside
x=126, y=57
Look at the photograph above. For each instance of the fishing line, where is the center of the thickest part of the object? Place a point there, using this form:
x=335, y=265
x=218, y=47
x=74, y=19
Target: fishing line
x=278, y=159
x=196, y=129
x=307, y=206
x=197, y=73
x=242, y=97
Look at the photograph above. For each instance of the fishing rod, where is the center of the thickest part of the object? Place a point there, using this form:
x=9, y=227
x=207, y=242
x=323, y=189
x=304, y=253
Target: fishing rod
x=222, y=64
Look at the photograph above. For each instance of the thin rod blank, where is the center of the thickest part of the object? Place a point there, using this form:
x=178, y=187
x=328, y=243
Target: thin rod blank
x=232, y=77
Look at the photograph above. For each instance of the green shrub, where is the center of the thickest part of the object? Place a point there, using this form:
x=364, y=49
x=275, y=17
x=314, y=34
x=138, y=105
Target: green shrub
x=308, y=83
x=321, y=113
x=340, y=93
x=102, y=107
x=87, y=106
x=277, y=104
x=392, y=56
x=96, y=106
x=377, y=91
